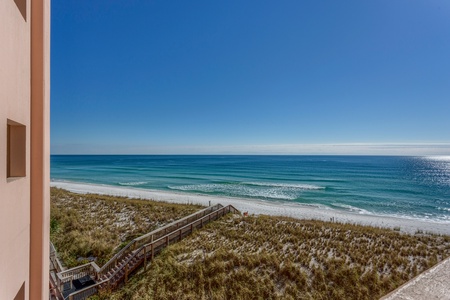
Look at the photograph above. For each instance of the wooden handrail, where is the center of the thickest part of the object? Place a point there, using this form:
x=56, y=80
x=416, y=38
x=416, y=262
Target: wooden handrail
x=137, y=242
x=54, y=259
x=167, y=236
x=133, y=245
x=79, y=269
x=87, y=291
x=141, y=252
x=168, y=226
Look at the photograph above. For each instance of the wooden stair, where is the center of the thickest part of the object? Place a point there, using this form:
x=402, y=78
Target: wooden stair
x=139, y=252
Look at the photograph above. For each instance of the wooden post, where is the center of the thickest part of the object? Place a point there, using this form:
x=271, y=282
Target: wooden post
x=145, y=258
x=152, y=251
x=180, y=234
x=167, y=241
x=126, y=273
x=192, y=225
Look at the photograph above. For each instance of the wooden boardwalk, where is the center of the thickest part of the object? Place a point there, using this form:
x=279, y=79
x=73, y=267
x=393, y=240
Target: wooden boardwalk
x=84, y=281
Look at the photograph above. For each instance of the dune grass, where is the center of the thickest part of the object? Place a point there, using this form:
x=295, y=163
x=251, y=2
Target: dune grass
x=88, y=225
x=236, y=257
x=261, y=257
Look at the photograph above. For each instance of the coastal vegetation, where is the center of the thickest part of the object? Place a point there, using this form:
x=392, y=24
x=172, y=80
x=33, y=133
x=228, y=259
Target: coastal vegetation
x=263, y=257
x=243, y=257
x=90, y=226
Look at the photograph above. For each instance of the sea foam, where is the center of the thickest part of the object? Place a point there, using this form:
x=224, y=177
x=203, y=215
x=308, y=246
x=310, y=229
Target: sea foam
x=133, y=183
x=253, y=190
x=286, y=185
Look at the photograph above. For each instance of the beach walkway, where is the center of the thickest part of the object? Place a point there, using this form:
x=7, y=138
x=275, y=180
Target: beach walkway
x=84, y=281
x=431, y=284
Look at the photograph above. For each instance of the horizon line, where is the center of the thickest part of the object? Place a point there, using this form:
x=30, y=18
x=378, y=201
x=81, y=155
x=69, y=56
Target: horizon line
x=368, y=149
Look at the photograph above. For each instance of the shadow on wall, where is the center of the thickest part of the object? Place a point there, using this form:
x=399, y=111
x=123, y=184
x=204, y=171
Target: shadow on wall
x=22, y=6
x=21, y=294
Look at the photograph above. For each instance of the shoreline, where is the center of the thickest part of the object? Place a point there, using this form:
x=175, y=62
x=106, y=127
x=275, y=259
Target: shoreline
x=260, y=207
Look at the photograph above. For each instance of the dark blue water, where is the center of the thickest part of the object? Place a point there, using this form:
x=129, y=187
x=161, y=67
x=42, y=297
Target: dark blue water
x=411, y=187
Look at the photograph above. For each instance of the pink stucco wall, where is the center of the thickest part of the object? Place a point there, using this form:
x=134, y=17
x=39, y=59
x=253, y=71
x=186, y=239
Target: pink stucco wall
x=16, y=96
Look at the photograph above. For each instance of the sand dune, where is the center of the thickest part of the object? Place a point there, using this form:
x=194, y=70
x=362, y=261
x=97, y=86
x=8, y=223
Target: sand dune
x=263, y=207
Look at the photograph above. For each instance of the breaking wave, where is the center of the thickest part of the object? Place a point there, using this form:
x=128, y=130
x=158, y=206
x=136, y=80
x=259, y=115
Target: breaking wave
x=278, y=191
x=133, y=183
x=286, y=185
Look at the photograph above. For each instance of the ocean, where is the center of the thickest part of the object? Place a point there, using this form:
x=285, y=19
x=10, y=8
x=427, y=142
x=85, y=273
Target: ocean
x=406, y=187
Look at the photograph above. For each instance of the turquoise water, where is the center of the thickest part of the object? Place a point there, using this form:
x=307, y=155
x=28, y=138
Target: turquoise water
x=409, y=187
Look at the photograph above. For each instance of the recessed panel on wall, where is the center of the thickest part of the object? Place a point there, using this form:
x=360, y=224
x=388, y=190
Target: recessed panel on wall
x=16, y=149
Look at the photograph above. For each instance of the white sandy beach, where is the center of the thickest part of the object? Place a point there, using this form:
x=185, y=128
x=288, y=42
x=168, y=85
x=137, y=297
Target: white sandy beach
x=263, y=207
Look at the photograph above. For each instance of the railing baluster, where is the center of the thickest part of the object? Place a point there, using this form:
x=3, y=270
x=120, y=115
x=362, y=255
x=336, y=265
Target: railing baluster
x=163, y=237
x=145, y=258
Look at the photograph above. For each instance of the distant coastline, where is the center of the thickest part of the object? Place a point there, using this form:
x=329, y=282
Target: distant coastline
x=254, y=206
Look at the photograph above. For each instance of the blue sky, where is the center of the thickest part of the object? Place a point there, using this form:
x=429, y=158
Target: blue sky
x=250, y=77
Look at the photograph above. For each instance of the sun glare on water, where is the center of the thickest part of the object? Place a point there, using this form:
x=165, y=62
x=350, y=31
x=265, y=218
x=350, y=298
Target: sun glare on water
x=443, y=158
